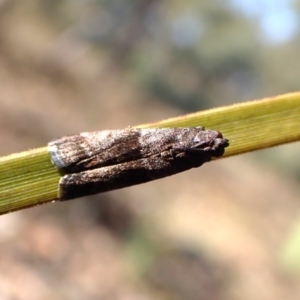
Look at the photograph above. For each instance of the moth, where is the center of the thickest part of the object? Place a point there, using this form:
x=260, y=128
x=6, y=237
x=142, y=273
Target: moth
x=100, y=161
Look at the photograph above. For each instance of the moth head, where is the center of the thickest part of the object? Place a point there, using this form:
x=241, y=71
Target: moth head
x=211, y=141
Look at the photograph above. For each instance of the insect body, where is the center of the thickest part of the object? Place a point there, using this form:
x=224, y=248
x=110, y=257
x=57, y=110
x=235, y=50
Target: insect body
x=94, y=162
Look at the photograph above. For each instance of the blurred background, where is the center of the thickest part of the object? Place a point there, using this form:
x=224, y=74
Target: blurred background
x=218, y=232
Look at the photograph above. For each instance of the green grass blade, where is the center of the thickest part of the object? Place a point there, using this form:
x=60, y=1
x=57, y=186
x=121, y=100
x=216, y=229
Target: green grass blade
x=249, y=126
x=29, y=179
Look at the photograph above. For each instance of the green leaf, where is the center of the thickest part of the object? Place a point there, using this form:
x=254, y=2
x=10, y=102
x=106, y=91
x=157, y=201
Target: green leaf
x=249, y=126
x=29, y=178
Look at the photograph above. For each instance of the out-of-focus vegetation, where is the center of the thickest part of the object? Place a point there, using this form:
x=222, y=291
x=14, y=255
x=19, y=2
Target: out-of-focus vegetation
x=212, y=233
